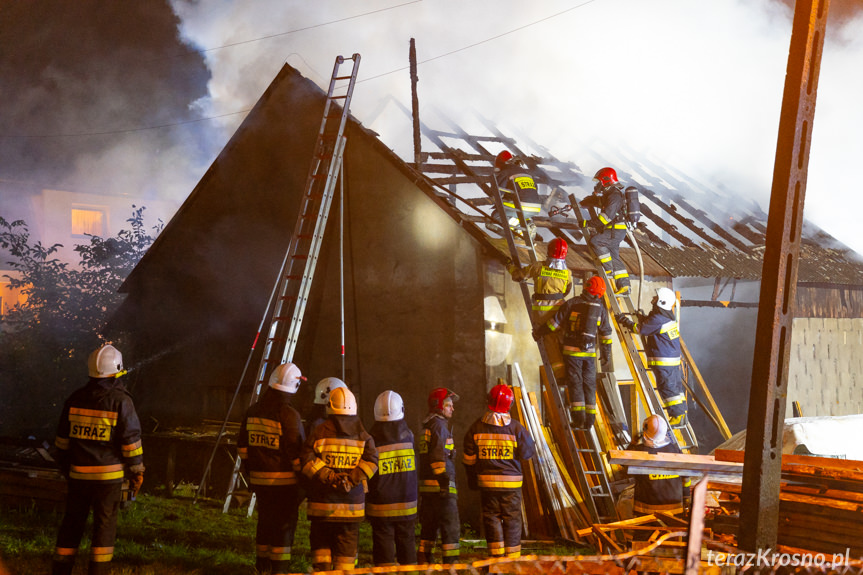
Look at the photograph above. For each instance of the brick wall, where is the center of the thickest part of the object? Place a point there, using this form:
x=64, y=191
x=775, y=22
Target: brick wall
x=825, y=372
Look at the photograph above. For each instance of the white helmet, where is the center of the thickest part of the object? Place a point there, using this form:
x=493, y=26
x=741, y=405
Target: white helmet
x=389, y=407
x=325, y=387
x=106, y=361
x=342, y=402
x=286, y=377
x=665, y=298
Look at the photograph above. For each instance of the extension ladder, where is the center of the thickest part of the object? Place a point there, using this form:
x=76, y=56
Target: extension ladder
x=633, y=351
x=586, y=457
x=294, y=282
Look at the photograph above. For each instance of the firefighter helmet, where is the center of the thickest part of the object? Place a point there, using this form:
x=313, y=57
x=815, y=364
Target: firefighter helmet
x=502, y=159
x=106, y=361
x=665, y=298
x=500, y=398
x=286, y=377
x=557, y=249
x=342, y=402
x=595, y=286
x=606, y=177
x=325, y=387
x=438, y=396
x=389, y=406
x=655, y=431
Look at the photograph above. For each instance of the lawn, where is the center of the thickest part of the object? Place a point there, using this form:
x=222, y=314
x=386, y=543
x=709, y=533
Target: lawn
x=172, y=536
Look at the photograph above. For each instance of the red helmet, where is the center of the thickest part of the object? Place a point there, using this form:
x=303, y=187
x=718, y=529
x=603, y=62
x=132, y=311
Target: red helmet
x=606, y=177
x=595, y=286
x=557, y=249
x=501, y=159
x=438, y=396
x=500, y=398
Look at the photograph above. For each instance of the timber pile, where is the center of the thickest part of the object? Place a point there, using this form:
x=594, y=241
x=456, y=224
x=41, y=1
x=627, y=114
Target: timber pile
x=29, y=475
x=820, y=503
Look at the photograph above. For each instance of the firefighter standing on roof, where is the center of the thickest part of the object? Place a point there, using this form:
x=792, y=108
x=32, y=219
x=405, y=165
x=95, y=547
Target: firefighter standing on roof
x=608, y=197
x=494, y=447
x=339, y=457
x=391, y=504
x=512, y=179
x=552, y=281
x=271, y=436
x=657, y=492
x=438, y=494
x=99, y=442
x=581, y=318
x=660, y=333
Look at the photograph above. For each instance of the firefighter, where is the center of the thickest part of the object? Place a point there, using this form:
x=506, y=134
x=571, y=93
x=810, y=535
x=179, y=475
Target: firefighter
x=318, y=413
x=511, y=178
x=339, y=457
x=391, y=503
x=271, y=436
x=99, y=442
x=608, y=198
x=552, y=281
x=658, y=492
x=494, y=447
x=660, y=334
x=438, y=494
x=582, y=318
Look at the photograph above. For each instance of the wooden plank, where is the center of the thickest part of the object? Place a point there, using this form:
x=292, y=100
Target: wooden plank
x=851, y=468
x=698, y=463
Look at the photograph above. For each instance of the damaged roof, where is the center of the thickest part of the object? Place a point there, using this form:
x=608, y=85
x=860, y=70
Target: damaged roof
x=688, y=228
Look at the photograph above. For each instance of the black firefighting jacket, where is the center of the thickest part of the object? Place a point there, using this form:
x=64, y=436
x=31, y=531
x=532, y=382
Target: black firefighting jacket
x=393, y=491
x=494, y=447
x=99, y=435
x=581, y=318
x=514, y=179
x=661, y=335
x=659, y=491
x=270, y=439
x=610, y=206
x=342, y=445
x=436, y=455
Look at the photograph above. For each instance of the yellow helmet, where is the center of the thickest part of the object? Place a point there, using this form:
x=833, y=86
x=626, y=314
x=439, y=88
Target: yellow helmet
x=342, y=402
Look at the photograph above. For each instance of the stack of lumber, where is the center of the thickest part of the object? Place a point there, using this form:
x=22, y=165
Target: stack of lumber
x=820, y=502
x=29, y=475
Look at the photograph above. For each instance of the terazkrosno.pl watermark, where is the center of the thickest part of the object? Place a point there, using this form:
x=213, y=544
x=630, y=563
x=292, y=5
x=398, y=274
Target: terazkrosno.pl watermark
x=770, y=558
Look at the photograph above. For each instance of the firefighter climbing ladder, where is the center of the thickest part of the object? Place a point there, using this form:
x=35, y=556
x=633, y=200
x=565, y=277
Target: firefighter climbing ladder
x=586, y=457
x=634, y=352
x=288, y=303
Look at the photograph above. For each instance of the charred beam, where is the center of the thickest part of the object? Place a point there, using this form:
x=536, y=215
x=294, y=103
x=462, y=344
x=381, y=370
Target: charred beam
x=759, y=512
x=666, y=227
x=689, y=223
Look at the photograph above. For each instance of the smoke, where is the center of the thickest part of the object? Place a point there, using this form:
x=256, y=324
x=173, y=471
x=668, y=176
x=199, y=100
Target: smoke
x=691, y=84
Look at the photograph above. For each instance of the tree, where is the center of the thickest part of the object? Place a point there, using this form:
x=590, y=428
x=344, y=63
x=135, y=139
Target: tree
x=45, y=341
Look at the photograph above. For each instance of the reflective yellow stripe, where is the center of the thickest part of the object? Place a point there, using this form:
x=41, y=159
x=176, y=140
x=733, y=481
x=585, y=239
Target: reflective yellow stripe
x=663, y=361
x=264, y=425
x=499, y=481
x=101, y=554
x=391, y=509
x=336, y=510
x=132, y=449
x=273, y=478
x=97, y=472
x=396, y=458
x=62, y=442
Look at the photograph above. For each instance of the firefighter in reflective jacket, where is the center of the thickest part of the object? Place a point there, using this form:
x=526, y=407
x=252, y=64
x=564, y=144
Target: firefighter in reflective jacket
x=494, y=447
x=582, y=318
x=271, y=436
x=660, y=334
x=438, y=494
x=552, y=281
x=658, y=491
x=513, y=180
x=391, y=503
x=608, y=197
x=99, y=442
x=339, y=457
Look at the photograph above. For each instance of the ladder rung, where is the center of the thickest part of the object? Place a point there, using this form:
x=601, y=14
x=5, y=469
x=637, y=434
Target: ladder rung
x=338, y=97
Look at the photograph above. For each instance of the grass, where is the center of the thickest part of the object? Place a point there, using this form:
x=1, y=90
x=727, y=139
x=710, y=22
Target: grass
x=172, y=536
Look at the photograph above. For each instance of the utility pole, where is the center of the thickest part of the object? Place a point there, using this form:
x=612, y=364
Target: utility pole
x=759, y=509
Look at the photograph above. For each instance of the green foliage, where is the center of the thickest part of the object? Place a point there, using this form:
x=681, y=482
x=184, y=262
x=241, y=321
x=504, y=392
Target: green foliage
x=44, y=342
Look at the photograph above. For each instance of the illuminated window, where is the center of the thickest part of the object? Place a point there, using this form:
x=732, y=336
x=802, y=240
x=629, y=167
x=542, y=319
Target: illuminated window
x=88, y=221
